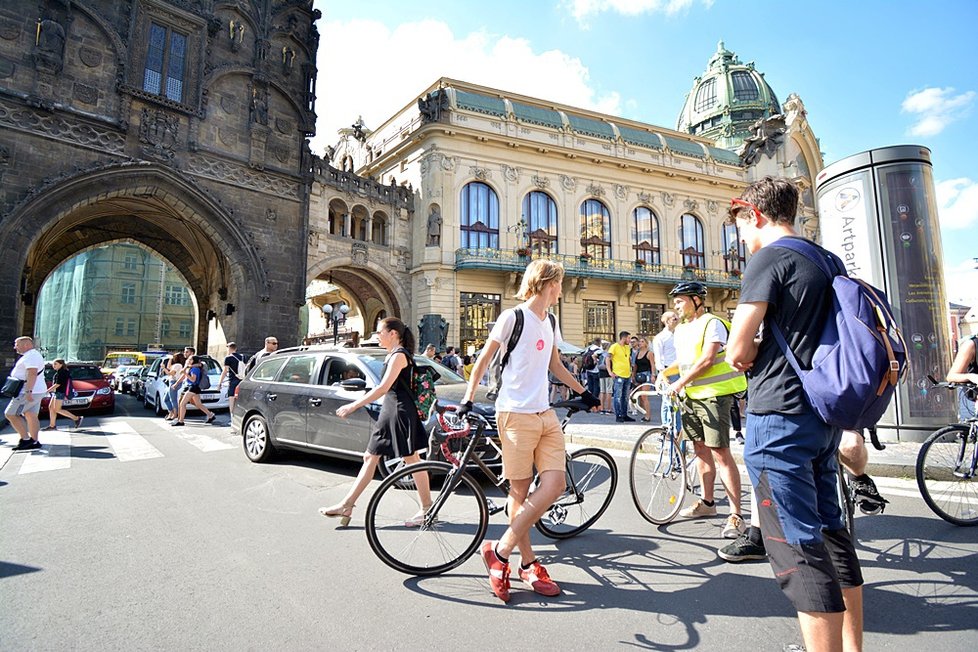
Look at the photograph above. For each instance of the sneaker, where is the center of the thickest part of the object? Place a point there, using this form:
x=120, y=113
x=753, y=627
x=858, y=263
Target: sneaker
x=177, y=423
x=743, y=549
x=33, y=445
x=211, y=418
x=627, y=419
x=79, y=422
x=537, y=578
x=739, y=436
x=498, y=571
x=699, y=509
x=23, y=445
x=734, y=527
x=867, y=497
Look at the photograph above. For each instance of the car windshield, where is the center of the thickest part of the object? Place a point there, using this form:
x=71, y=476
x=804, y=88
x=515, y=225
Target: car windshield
x=85, y=373
x=447, y=376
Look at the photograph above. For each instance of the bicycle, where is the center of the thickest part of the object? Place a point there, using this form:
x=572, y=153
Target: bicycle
x=946, y=466
x=660, y=475
x=846, y=491
x=451, y=529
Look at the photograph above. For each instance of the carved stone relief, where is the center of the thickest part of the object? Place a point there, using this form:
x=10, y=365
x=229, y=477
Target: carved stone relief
x=712, y=206
x=229, y=103
x=85, y=94
x=90, y=57
x=645, y=197
x=160, y=131
x=510, y=173
x=541, y=182
x=568, y=183
x=359, y=253
x=621, y=192
x=479, y=173
x=59, y=128
x=221, y=170
x=668, y=198
x=595, y=189
x=690, y=204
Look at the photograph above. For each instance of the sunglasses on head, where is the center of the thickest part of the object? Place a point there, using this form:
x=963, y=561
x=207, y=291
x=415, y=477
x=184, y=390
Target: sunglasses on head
x=736, y=206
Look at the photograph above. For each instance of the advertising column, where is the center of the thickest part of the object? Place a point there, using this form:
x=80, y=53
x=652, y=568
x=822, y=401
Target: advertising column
x=878, y=212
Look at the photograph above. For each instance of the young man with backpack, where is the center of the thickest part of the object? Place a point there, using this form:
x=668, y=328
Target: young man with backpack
x=791, y=452
x=590, y=367
x=528, y=428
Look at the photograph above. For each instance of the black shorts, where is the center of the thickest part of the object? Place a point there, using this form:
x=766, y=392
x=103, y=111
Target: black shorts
x=194, y=389
x=233, y=385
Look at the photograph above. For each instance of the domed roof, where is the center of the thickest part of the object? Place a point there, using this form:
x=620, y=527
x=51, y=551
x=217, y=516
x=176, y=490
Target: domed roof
x=727, y=100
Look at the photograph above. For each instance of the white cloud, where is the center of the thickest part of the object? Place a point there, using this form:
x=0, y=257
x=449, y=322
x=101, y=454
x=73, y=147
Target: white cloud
x=367, y=69
x=961, y=282
x=582, y=10
x=936, y=108
x=957, y=202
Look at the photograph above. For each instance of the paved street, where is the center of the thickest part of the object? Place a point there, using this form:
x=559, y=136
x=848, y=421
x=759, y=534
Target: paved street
x=129, y=534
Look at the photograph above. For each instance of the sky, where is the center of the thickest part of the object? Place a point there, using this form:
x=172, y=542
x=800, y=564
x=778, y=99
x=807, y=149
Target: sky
x=871, y=73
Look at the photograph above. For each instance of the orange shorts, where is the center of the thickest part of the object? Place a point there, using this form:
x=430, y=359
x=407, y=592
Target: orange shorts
x=530, y=440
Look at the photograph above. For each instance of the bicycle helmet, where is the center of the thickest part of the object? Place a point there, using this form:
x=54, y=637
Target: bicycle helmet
x=688, y=289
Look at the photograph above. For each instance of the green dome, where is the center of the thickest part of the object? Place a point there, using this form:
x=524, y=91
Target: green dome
x=727, y=100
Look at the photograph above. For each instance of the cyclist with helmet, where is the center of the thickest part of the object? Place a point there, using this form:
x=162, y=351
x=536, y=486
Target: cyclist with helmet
x=709, y=384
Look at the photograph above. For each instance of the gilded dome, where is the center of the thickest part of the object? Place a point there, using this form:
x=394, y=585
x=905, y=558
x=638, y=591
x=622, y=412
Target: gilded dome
x=727, y=100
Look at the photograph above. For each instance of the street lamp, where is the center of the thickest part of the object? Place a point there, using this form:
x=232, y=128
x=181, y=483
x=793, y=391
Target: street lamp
x=336, y=316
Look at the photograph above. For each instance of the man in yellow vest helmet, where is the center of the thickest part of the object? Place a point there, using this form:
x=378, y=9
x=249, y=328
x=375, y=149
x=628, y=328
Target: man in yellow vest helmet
x=709, y=384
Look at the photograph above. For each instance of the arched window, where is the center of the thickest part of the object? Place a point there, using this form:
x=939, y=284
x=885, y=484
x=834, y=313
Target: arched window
x=693, y=248
x=706, y=95
x=378, y=233
x=479, y=217
x=595, y=229
x=744, y=87
x=645, y=235
x=734, y=250
x=540, y=215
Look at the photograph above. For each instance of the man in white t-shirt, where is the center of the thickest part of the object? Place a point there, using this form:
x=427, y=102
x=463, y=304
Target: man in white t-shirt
x=528, y=428
x=22, y=410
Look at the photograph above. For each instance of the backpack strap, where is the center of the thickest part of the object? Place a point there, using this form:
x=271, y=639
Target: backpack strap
x=829, y=263
x=514, y=337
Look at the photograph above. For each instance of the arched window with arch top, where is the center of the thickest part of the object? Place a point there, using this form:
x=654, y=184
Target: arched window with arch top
x=645, y=235
x=479, y=215
x=595, y=229
x=734, y=250
x=540, y=215
x=693, y=245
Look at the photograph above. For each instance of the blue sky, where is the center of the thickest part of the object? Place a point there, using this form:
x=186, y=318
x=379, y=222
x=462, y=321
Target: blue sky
x=872, y=73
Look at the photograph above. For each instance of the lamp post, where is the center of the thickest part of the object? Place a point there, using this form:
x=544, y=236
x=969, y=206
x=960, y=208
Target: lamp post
x=335, y=315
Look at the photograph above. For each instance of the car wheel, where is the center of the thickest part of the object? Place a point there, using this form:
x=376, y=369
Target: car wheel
x=158, y=408
x=257, y=440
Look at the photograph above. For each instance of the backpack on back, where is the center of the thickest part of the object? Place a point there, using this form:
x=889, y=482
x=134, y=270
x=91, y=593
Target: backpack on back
x=589, y=363
x=422, y=387
x=241, y=369
x=205, y=381
x=501, y=357
x=860, y=356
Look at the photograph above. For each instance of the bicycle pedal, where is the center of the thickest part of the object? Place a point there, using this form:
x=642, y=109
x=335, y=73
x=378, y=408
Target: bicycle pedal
x=493, y=507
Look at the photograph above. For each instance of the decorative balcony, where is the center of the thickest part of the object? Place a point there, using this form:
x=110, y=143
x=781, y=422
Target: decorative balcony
x=577, y=265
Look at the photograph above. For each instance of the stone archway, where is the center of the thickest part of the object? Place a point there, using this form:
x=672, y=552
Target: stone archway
x=372, y=287
x=151, y=204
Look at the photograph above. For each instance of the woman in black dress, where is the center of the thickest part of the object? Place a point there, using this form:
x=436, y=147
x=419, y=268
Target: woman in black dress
x=398, y=431
x=59, y=387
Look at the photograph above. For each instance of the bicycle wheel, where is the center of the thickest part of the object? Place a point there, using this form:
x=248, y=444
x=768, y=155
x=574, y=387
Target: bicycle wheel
x=657, y=475
x=945, y=474
x=592, y=478
x=450, y=535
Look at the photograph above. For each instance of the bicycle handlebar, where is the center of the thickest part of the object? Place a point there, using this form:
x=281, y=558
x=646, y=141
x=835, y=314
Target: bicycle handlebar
x=950, y=385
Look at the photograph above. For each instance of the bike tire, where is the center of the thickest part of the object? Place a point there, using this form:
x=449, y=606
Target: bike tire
x=435, y=547
x=592, y=477
x=847, y=502
x=951, y=497
x=657, y=476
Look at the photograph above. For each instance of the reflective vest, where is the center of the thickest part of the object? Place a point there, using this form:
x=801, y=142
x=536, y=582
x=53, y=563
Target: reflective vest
x=719, y=380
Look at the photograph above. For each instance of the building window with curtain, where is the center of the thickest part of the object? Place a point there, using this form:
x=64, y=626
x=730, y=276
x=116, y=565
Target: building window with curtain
x=479, y=217
x=540, y=215
x=599, y=320
x=185, y=327
x=595, y=230
x=128, y=293
x=476, y=311
x=734, y=250
x=693, y=247
x=645, y=235
x=120, y=325
x=166, y=58
x=131, y=328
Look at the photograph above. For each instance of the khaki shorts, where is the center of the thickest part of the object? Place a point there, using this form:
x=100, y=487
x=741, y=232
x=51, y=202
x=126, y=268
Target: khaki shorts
x=708, y=421
x=530, y=440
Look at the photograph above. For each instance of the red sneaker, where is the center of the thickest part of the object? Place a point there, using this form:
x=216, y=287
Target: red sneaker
x=498, y=571
x=538, y=579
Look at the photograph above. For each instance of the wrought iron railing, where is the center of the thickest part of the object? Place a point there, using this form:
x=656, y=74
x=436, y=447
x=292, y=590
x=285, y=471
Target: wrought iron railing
x=575, y=265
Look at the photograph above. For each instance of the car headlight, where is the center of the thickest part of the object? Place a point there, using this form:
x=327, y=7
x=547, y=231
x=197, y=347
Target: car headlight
x=104, y=390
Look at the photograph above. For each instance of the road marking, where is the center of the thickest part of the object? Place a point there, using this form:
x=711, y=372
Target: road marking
x=6, y=450
x=126, y=443
x=201, y=442
x=55, y=455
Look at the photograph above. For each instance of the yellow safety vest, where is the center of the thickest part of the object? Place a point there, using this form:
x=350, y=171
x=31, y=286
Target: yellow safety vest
x=719, y=380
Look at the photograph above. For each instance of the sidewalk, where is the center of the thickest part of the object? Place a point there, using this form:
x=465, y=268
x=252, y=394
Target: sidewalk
x=897, y=461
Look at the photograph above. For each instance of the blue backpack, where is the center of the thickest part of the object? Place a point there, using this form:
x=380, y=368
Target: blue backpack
x=861, y=355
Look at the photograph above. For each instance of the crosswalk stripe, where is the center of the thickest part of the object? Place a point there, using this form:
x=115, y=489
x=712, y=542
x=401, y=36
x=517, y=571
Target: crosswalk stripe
x=127, y=445
x=55, y=455
x=201, y=442
x=7, y=451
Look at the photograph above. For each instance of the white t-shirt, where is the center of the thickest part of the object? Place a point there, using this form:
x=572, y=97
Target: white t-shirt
x=664, y=349
x=715, y=332
x=31, y=360
x=526, y=385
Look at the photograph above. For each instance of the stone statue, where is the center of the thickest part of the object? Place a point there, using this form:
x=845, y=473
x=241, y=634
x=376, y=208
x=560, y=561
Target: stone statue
x=434, y=228
x=49, y=45
x=259, y=106
x=358, y=130
x=432, y=104
x=432, y=329
x=767, y=136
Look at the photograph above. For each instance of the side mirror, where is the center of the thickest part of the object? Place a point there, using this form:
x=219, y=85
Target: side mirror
x=354, y=384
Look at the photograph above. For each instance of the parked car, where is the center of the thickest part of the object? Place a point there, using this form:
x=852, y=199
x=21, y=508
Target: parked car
x=289, y=400
x=156, y=386
x=139, y=383
x=121, y=378
x=92, y=392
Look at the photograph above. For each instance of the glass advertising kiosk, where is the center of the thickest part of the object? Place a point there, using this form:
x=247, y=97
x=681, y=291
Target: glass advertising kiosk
x=878, y=212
